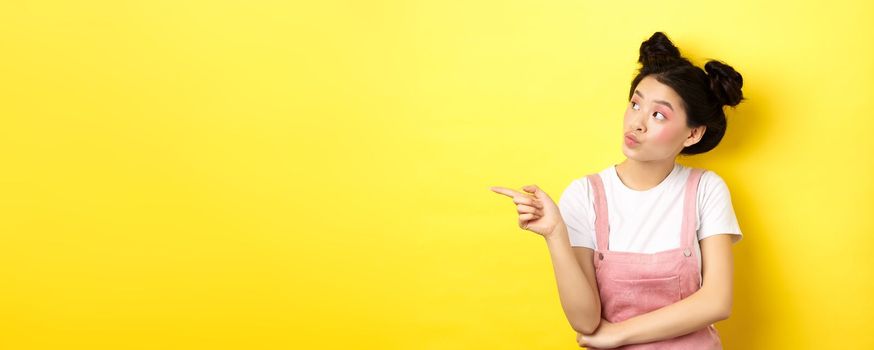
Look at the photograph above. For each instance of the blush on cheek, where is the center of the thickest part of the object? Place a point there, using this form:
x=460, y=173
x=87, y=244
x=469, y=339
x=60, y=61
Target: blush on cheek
x=666, y=135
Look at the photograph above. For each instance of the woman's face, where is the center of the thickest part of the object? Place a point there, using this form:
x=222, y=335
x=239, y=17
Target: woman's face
x=656, y=119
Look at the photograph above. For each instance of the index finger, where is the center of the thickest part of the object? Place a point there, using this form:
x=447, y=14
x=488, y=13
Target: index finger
x=507, y=192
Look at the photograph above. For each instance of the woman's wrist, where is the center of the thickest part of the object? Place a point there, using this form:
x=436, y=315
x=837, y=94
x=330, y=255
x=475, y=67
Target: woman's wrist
x=559, y=233
x=620, y=335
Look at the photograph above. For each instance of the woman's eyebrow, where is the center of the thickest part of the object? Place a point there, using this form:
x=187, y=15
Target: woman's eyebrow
x=666, y=103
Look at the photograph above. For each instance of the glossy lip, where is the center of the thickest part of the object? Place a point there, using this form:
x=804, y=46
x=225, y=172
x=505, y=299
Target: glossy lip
x=630, y=139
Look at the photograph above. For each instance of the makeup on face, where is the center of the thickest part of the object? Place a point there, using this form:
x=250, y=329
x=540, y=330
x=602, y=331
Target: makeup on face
x=662, y=127
x=630, y=142
x=664, y=111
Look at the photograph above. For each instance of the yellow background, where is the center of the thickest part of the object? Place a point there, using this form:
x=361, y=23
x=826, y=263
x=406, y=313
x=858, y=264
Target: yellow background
x=315, y=174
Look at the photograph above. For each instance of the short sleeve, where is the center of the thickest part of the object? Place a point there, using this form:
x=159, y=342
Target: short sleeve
x=716, y=214
x=574, y=206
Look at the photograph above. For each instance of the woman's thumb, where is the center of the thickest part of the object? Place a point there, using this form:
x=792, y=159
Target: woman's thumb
x=535, y=190
x=539, y=194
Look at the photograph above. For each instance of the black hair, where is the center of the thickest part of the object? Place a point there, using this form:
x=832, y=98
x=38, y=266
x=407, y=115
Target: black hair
x=704, y=91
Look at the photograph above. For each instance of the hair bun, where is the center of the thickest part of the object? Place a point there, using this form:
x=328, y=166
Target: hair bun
x=725, y=82
x=659, y=52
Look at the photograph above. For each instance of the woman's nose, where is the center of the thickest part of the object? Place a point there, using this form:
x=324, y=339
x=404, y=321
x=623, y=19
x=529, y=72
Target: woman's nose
x=637, y=123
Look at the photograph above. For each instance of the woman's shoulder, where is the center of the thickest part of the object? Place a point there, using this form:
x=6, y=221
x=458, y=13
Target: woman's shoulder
x=576, y=199
x=580, y=189
x=711, y=182
x=708, y=176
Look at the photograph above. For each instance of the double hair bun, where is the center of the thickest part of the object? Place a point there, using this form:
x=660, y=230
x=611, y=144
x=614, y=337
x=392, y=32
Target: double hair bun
x=659, y=54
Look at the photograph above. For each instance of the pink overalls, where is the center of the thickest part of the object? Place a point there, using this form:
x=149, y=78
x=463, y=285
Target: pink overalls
x=636, y=283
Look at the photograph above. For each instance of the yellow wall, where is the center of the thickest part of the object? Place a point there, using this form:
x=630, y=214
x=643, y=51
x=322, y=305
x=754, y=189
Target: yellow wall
x=259, y=174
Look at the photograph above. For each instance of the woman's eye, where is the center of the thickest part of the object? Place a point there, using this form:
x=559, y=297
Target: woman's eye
x=635, y=106
x=656, y=114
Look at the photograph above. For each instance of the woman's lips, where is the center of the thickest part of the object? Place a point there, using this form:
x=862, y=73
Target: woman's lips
x=630, y=141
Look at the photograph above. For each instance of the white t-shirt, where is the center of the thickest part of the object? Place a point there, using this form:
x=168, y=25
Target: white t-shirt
x=647, y=221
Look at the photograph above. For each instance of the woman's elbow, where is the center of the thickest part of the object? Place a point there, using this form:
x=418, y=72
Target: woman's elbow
x=723, y=312
x=588, y=326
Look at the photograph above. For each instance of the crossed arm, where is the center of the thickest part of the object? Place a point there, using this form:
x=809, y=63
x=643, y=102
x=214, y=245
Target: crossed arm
x=711, y=303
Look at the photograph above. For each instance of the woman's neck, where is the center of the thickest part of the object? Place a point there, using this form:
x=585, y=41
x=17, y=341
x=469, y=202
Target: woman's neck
x=641, y=176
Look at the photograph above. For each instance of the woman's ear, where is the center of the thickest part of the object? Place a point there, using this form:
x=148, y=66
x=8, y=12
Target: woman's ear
x=695, y=136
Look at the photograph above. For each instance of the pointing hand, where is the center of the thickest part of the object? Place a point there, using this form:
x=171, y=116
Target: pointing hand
x=537, y=211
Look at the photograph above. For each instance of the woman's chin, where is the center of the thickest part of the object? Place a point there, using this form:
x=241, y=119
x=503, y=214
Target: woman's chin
x=633, y=154
x=629, y=152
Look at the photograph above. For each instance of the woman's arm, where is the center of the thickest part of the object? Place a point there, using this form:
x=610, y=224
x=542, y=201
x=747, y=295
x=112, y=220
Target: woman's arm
x=577, y=289
x=575, y=277
x=709, y=304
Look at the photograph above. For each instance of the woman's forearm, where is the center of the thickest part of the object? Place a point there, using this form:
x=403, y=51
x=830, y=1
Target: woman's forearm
x=699, y=310
x=578, y=296
x=709, y=304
